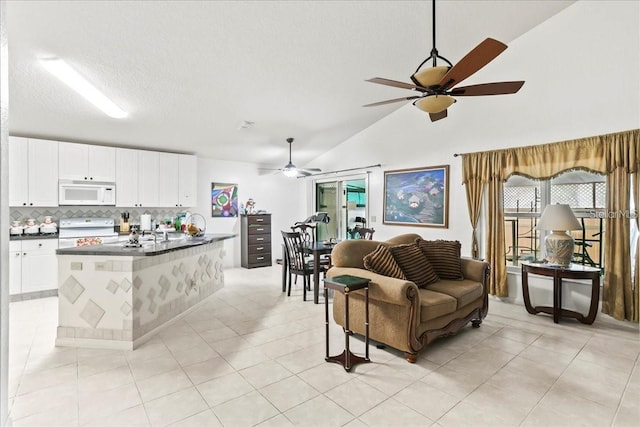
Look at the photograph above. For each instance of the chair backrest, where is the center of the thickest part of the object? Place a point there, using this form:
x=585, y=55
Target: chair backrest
x=307, y=232
x=362, y=233
x=293, y=245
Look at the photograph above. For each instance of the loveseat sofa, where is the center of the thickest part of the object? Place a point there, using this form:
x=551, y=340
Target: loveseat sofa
x=402, y=314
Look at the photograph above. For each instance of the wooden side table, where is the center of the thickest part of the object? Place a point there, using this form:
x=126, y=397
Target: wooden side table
x=573, y=271
x=346, y=284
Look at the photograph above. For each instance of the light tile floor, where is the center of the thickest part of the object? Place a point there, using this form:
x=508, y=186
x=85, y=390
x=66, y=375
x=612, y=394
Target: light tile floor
x=252, y=356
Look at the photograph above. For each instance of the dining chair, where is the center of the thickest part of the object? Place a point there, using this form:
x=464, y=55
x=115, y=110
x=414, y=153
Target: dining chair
x=297, y=264
x=362, y=233
x=308, y=234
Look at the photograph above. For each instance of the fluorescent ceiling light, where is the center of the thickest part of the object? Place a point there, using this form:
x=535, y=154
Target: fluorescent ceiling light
x=75, y=81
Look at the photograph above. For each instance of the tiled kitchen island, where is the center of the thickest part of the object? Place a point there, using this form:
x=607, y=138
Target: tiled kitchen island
x=116, y=297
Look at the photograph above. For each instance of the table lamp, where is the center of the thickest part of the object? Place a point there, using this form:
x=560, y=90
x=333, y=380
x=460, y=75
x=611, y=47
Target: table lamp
x=558, y=245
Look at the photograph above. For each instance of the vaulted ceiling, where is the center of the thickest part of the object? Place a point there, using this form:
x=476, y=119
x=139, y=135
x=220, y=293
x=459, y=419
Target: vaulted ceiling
x=191, y=72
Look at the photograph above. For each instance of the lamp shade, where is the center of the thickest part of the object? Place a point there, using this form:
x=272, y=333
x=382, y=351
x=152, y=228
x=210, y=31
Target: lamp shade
x=431, y=76
x=434, y=103
x=558, y=245
x=290, y=170
x=558, y=217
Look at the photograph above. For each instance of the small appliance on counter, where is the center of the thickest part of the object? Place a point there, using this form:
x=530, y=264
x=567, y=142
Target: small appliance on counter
x=48, y=226
x=31, y=227
x=16, y=228
x=145, y=222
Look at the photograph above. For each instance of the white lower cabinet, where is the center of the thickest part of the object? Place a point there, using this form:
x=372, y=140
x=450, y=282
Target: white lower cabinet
x=33, y=266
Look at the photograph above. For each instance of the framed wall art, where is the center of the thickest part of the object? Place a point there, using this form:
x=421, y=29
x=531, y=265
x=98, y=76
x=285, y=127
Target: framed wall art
x=224, y=200
x=417, y=197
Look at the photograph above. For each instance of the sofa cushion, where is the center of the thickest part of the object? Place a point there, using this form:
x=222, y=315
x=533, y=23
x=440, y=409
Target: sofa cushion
x=464, y=291
x=444, y=256
x=414, y=264
x=382, y=262
x=435, y=304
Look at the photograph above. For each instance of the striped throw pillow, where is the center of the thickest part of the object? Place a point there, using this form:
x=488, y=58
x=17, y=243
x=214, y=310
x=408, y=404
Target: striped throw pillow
x=381, y=261
x=414, y=264
x=444, y=256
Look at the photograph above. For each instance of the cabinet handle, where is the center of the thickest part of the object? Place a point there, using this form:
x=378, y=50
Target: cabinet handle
x=259, y=229
x=85, y=178
x=24, y=204
x=17, y=253
x=259, y=239
x=260, y=258
x=259, y=219
x=24, y=254
x=30, y=204
x=91, y=178
x=260, y=248
x=39, y=245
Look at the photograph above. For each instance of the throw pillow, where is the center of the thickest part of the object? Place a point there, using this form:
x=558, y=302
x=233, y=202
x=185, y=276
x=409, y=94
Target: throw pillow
x=381, y=261
x=444, y=256
x=414, y=264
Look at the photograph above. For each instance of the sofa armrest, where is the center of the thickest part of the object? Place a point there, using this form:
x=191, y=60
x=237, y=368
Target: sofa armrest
x=387, y=289
x=475, y=270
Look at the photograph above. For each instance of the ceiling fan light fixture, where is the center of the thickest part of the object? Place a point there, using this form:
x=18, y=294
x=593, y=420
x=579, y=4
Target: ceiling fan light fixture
x=434, y=103
x=290, y=171
x=430, y=76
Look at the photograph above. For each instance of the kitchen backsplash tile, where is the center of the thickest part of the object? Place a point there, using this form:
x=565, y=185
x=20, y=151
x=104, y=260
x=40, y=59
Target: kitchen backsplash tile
x=158, y=214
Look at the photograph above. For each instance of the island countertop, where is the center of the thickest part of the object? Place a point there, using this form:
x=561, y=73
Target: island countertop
x=148, y=248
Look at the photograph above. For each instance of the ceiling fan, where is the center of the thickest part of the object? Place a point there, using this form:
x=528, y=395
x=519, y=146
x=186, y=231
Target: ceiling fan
x=291, y=170
x=436, y=84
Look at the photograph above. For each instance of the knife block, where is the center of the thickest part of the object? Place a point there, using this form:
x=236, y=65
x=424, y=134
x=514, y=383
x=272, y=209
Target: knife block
x=124, y=226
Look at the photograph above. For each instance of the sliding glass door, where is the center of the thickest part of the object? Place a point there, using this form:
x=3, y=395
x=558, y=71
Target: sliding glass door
x=345, y=201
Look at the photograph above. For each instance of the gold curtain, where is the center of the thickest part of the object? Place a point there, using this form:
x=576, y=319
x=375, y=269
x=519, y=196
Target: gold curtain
x=474, y=190
x=617, y=298
x=636, y=281
x=601, y=154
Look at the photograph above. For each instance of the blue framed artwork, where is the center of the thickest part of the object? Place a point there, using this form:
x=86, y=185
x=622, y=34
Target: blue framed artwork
x=417, y=197
x=224, y=200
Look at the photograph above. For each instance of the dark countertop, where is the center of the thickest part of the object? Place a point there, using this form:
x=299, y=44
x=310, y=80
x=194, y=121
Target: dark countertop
x=32, y=236
x=148, y=247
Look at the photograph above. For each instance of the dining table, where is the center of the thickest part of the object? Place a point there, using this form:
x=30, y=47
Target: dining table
x=316, y=250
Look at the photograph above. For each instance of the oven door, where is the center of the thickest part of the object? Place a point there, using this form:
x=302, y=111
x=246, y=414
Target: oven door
x=72, y=242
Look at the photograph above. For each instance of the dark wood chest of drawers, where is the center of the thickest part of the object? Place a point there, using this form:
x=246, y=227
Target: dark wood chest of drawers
x=256, y=240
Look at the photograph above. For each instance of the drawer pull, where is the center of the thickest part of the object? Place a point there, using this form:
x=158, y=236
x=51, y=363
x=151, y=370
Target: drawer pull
x=259, y=229
x=259, y=219
x=259, y=239
x=260, y=258
x=260, y=248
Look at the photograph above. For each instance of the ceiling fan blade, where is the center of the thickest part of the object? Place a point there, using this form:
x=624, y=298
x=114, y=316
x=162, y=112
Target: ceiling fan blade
x=437, y=116
x=390, y=101
x=395, y=83
x=312, y=169
x=499, y=88
x=303, y=172
x=479, y=56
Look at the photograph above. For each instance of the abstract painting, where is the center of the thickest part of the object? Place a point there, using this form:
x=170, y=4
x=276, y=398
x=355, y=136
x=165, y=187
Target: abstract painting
x=224, y=200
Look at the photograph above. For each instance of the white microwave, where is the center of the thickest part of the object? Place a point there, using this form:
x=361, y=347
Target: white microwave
x=86, y=193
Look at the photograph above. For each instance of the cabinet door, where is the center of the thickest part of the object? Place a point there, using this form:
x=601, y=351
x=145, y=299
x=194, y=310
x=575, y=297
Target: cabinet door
x=168, y=165
x=148, y=173
x=126, y=177
x=39, y=265
x=102, y=163
x=18, y=171
x=15, y=267
x=43, y=172
x=188, y=180
x=73, y=161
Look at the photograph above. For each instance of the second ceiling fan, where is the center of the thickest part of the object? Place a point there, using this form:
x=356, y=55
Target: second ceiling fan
x=291, y=170
x=436, y=84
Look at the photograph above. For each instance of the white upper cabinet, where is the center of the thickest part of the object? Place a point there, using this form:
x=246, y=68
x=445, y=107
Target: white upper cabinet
x=137, y=174
x=168, y=185
x=177, y=180
x=148, y=173
x=188, y=180
x=33, y=172
x=126, y=177
x=82, y=162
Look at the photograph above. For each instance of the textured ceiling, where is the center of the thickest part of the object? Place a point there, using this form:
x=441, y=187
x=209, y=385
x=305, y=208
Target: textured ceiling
x=190, y=72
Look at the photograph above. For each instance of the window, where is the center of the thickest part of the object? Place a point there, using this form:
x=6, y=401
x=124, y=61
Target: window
x=525, y=199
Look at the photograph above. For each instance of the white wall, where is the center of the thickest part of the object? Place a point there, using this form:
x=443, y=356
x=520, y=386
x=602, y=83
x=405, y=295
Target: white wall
x=281, y=196
x=581, y=69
